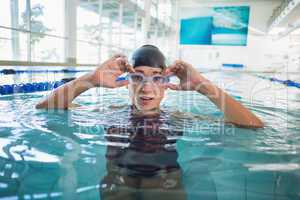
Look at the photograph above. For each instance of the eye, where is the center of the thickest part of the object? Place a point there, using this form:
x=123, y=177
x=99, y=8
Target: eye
x=158, y=79
x=136, y=78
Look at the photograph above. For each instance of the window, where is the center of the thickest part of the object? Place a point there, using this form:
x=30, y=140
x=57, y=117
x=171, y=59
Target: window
x=35, y=30
x=13, y=42
x=38, y=38
x=88, y=33
x=13, y=45
x=47, y=49
x=47, y=17
x=46, y=39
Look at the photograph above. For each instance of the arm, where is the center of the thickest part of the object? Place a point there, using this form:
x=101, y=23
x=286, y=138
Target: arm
x=104, y=76
x=234, y=111
x=191, y=79
x=62, y=97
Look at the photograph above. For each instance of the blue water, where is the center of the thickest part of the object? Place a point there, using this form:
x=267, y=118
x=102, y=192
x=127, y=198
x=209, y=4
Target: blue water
x=64, y=154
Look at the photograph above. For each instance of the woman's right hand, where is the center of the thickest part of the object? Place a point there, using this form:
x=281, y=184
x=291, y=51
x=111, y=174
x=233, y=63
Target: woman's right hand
x=107, y=73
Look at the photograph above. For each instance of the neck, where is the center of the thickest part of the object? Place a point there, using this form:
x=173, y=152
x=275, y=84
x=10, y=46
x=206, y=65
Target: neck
x=143, y=113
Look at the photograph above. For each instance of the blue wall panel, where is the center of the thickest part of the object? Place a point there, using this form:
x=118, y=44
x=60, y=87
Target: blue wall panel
x=196, y=31
x=226, y=26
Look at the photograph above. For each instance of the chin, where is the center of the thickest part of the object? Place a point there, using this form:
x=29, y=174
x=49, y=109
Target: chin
x=146, y=107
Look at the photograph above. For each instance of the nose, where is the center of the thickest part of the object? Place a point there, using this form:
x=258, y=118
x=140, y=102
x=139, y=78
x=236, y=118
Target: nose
x=147, y=87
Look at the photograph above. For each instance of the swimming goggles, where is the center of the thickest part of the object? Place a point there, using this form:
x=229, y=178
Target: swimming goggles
x=139, y=78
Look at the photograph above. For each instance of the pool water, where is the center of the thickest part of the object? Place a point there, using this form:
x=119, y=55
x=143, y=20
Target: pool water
x=90, y=153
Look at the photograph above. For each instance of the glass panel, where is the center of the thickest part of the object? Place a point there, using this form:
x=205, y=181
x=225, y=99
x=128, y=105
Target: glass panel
x=165, y=12
x=140, y=3
x=88, y=22
x=128, y=38
x=47, y=49
x=22, y=15
x=87, y=53
x=128, y=32
x=5, y=16
x=47, y=16
x=5, y=45
x=115, y=34
x=139, y=38
x=105, y=34
x=153, y=10
x=104, y=53
x=13, y=45
x=115, y=50
x=23, y=40
x=19, y=15
x=88, y=33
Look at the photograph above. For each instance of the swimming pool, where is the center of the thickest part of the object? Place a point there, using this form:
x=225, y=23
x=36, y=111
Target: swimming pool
x=63, y=154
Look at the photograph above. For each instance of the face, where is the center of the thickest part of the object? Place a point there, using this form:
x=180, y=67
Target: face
x=147, y=96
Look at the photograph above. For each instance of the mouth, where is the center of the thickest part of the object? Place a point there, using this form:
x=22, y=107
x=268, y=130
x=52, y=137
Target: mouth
x=146, y=99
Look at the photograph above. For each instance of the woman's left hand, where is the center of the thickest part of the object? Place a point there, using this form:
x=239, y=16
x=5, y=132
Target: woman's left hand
x=190, y=78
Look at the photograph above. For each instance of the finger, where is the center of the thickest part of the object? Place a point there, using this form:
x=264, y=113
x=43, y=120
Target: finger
x=172, y=69
x=185, y=66
x=182, y=63
x=129, y=68
x=179, y=62
x=122, y=83
x=112, y=59
x=173, y=86
x=121, y=63
x=169, y=73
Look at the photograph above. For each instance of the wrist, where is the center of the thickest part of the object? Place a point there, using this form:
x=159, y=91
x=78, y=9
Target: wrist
x=95, y=78
x=88, y=80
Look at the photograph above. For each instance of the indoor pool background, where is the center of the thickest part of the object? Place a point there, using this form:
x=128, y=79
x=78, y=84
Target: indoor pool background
x=61, y=154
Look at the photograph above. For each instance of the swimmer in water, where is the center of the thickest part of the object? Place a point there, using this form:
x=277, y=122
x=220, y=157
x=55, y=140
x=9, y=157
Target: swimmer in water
x=147, y=83
x=143, y=164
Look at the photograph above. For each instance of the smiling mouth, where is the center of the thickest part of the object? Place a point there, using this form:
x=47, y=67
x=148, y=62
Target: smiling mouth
x=146, y=98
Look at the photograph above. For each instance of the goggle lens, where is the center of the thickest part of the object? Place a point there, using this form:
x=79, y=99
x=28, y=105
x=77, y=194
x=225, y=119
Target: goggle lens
x=140, y=78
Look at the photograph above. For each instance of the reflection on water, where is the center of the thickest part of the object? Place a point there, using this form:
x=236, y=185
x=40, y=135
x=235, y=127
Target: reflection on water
x=101, y=152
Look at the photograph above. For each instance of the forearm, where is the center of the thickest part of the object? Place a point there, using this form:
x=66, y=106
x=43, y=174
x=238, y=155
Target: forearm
x=234, y=111
x=62, y=97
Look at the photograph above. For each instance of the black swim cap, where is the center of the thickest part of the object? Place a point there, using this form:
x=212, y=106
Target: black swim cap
x=148, y=55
